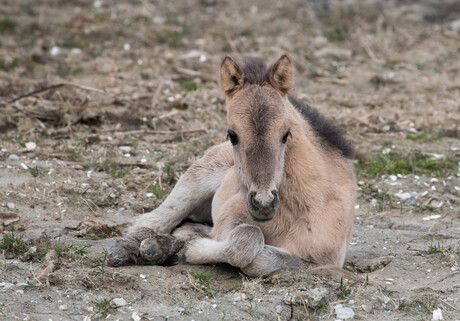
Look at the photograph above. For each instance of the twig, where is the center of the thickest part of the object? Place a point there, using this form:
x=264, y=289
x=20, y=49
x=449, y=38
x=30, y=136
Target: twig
x=43, y=89
x=232, y=45
x=189, y=72
x=172, y=113
x=156, y=96
x=37, y=91
x=304, y=305
x=158, y=132
x=337, y=302
x=49, y=269
x=146, y=187
x=367, y=49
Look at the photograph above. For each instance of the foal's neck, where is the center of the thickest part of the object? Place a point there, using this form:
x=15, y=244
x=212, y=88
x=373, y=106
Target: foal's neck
x=304, y=167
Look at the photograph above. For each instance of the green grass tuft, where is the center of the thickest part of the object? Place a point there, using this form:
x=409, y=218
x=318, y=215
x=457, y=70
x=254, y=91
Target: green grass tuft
x=414, y=163
x=7, y=24
x=189, y=85
x=157, y=191
x=13, y=244
x=337, y=32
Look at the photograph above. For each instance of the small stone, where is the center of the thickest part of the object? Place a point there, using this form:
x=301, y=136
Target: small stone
x=24, y=166
x=118, y=302
x=366, y=308
x=344, y=313
x=410, y=201
x=63, y=307
x=6, y=285
x=13, y=157
x=11, y=206
x=386, y=299
x=30, y=146
x=437, y=315
x=125, y=149
x=135, y=316
x=239, y=297
x=334, y=53
x=317, y=294
x=455, y=25
x=320, y=42
x=372, y=264
x=54, y=51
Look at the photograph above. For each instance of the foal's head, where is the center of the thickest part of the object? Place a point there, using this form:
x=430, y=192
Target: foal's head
x=258, y=129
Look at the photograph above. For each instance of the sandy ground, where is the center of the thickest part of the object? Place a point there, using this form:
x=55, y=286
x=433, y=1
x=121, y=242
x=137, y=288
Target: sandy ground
x=137, y=102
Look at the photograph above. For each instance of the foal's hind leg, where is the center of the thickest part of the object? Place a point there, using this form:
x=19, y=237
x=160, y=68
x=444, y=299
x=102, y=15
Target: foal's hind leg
x=192, y=192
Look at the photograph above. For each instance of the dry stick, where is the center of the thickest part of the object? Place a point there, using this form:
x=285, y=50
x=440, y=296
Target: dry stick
x=232, y=45
x=146, y=187
x=304, y=306
x=367, y=49
x=167, y=115
x=156, y=96
x=158, y=132
x=37, y=91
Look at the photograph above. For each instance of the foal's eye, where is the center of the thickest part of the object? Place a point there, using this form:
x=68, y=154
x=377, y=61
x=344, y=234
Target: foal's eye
x=285, y=137
x=233, y=137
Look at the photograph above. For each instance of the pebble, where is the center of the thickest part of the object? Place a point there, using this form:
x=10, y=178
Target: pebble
x=24, y=166
x=30, y=146
x=344, y=313
x=6, y=285
x=54, y=51
x=317, y=294
x=126, y=149
x=437, y=315
x=431, y=217
x=11, y=206
x=455, y=25
x=13, y=157
x=118, y=302
x=135, y=316
x=239, y=297
x=334, y=53
x=320, y=42
x=63, y=307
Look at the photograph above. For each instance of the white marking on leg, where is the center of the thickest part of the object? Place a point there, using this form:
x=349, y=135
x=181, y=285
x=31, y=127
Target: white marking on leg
x=205, y=251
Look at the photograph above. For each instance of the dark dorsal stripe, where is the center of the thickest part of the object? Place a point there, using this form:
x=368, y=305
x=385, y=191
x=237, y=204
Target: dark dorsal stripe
x=332, y=136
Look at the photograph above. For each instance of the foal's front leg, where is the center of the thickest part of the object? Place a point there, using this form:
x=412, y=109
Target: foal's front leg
x=192, y=192
x=237, y=240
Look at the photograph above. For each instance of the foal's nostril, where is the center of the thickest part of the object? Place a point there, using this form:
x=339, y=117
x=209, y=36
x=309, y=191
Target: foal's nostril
x=276, y=199
x=252, y=200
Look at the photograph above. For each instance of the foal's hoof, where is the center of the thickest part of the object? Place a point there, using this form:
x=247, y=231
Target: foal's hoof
x=158, y=249
x=117, y=256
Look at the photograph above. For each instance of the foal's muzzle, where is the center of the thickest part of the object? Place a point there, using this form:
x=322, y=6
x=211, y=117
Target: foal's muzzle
x=263, y=206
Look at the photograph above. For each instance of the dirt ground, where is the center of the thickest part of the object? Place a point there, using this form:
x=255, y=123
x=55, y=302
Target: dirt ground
x=137, y=101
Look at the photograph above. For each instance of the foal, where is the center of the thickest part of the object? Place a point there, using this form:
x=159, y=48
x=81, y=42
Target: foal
x=281, y=192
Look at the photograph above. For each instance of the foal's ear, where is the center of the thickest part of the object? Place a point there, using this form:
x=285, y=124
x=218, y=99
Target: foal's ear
x=231, y=76
x=281, y=75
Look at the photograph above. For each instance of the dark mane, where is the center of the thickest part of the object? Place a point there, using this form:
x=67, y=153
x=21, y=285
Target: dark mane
x=255, y=72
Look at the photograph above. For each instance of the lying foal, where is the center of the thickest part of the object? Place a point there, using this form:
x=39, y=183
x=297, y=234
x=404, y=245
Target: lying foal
x=279, y=194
